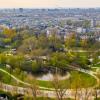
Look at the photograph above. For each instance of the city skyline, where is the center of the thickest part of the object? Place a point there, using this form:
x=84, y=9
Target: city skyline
x=49, y=3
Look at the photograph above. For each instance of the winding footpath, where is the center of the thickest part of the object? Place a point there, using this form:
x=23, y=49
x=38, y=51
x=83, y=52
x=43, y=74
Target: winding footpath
x=12, y=76
x=22, y=82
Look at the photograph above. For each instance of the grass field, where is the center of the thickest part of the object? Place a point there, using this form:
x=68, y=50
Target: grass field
x=97, y=65
x=77, y=78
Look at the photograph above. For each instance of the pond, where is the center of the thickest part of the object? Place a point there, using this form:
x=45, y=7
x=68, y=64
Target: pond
x=49, y=77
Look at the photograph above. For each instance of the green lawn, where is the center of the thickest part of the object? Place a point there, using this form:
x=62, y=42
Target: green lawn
x=6, y=79
x=80, y=79
x=97, y=65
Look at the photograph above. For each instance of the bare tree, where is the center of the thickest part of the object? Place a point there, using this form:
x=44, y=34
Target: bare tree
x=96, y=93
x=34, y=87
x=76, y=84
x=96, y=89
x=59, y=87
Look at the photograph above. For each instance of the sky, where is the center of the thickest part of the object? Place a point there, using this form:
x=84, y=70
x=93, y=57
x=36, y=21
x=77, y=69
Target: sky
x=49, y=3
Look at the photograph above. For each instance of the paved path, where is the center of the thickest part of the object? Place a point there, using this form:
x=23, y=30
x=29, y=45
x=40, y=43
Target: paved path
x=70, y=93
x=70, y=50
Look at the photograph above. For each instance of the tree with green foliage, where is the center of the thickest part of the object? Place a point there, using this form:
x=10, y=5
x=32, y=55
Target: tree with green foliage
x=3, y=59
x=59, y=61
x=70, y=41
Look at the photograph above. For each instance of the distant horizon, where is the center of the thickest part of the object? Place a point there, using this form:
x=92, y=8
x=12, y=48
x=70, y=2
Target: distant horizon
x=53, y=8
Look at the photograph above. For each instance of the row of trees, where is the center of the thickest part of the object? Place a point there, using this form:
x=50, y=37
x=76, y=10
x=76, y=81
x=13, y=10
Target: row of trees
x=36, y=62
x=28, y=40
x=39, y=63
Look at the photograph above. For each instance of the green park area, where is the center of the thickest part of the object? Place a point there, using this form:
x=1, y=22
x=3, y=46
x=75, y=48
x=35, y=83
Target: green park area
x=24, y=57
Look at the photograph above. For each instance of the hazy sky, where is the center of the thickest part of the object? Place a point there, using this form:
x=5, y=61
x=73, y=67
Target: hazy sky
x=48, y=3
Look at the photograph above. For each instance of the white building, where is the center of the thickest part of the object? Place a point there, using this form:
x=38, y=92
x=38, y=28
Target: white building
x=80, y=30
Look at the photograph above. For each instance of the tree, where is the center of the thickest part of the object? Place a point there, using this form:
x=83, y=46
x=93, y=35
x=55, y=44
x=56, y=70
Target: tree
x=35, y=66
x=34, y=87
x=84, y=43
x=60, y=88
x=1, y=79
x=76, y=83
x=81, y=61
x=86, y=24
x=3, y=59
x=43, y=41
x=69, y=22
x=15, y=61
x=96, y=89
x=70, y=41
x=55, y=43
x=11, y=60
x=28, y=45
x=10, y=33
x=58, y=60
